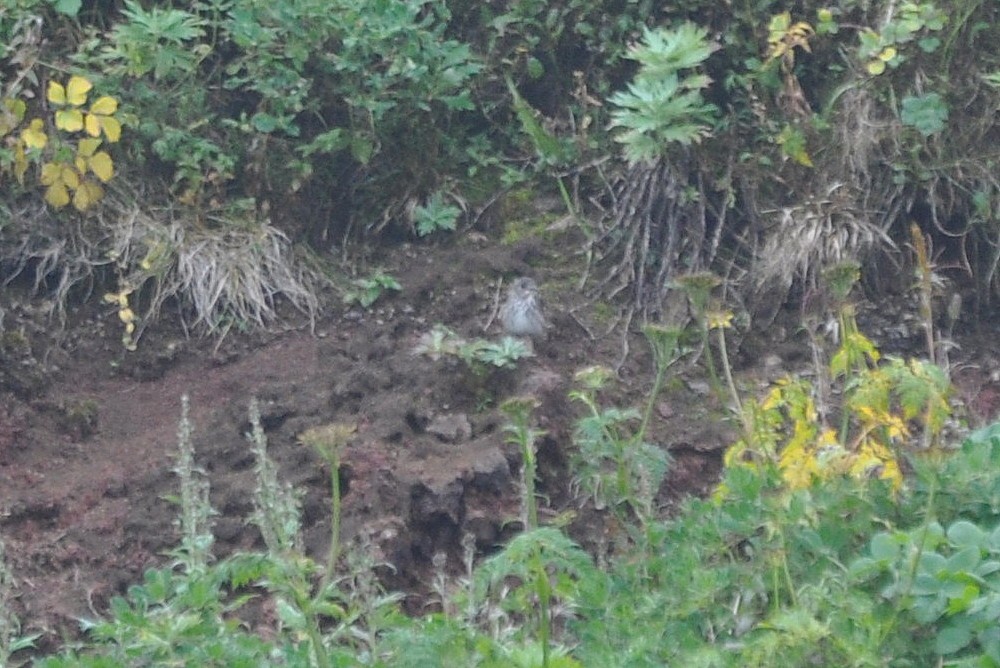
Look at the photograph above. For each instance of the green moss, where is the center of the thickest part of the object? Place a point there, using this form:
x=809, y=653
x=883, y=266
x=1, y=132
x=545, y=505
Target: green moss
x=15, y=343
x=603, y=313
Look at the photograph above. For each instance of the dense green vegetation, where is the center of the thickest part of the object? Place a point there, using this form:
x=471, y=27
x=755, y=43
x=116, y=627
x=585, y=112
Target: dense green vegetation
x=830, y=559
x=762, y=140
x=209, y=152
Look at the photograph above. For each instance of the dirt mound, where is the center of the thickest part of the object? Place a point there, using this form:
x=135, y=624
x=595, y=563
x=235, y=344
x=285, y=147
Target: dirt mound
x=88, y=433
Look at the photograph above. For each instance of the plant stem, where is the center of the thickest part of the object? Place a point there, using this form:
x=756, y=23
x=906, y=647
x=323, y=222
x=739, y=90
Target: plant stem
x=727, y=370
x=331, y=559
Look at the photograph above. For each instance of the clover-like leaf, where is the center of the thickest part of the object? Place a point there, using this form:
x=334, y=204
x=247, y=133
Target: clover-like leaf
x=70, y=120
x=101, y=117
x=73, y=94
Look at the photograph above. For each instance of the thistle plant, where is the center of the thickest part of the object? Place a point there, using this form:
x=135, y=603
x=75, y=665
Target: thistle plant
x=548, y=568
x=276, y=504
x=613, y=463
x=328, y=441
x=698, y=288
x=195, y=508
x=665, y=344
x=520, y=432
x=289, y=576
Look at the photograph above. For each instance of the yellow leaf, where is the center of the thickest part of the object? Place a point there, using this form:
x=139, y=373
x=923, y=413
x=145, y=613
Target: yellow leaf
x=126, y=315
x=77, y=89
x=34, y=135
x=70, y=120
x=70, y=177
x=57, y=196
x=92, y=124
x=80, y=164
x=102, y=166
x=876, y=67
x=86, y=195
x=888, y=53
x=87, y=147
x=105, y=106
x=129, y=327
x=57, y=94
x=112, y=128
x=51, y=173
x=11, y=114
x=20, y=163
x=17, y=107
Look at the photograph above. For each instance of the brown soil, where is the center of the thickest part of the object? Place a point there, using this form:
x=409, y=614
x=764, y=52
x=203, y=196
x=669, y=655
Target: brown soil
x=88, y=433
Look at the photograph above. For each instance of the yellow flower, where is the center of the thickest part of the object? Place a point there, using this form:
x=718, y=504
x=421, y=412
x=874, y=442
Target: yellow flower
x=719, y=319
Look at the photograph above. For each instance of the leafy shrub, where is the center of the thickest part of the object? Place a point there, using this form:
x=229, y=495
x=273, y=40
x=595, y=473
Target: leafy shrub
x=71, y=166
x=261, y=96
x=661, y=107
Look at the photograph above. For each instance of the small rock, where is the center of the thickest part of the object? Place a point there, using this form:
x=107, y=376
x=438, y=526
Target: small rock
x=451, y=427
x=700, y=387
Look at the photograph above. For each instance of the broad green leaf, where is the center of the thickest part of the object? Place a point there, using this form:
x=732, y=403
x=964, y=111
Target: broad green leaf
x=964, y=533
x=952, y=639
x=67, y=7
x=884, y=547
x=965, y=560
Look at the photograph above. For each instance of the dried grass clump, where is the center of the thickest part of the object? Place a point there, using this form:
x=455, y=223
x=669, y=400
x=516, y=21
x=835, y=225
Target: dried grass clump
x=802, y=240
x=226, y=273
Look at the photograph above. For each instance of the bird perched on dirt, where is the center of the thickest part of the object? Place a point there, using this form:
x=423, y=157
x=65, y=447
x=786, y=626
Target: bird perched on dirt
x=521, y=313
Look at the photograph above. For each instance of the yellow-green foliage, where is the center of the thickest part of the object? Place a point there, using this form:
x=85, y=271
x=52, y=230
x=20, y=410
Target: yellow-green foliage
x=72, y=164
x=125, y=314
x=885, y=407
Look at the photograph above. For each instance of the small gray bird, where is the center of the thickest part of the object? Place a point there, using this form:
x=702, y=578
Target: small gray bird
x=521, y=313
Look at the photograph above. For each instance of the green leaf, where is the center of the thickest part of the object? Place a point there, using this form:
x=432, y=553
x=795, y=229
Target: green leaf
x=535, y=68
x=67, y=7
x=952, y=639
x=884, y=547
x=435, y=215
x=926, y=113
x=964, y=561
x=264, y=122
x=964, y=533
x=550, y=148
